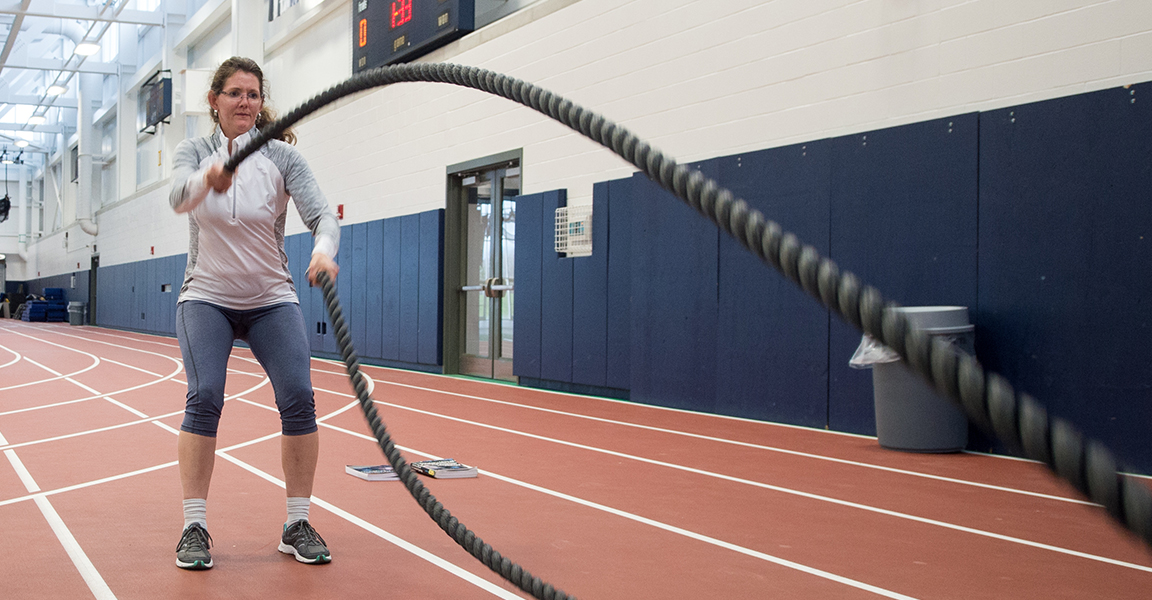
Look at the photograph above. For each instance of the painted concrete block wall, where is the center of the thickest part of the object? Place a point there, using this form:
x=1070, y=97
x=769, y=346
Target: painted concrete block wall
x=702, y=79
x=698, y=78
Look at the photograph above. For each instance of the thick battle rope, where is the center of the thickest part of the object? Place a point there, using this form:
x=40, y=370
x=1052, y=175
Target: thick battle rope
x=988, y=399
x=468, y=540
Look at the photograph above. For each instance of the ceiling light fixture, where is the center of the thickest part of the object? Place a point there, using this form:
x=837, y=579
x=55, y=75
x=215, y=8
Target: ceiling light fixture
x=56, y=90
x=36, y=120
x=87, y=48
x=21, y=143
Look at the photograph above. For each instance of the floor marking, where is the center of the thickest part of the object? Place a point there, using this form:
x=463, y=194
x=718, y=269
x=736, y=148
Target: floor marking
x=22, y=471
x=756, y=446
x=87, y=570
x=15, y=354
x=86, y=484
x=670, y=528
x=405, y=545
x=262, y=383
x=784, y=490
x=95, y=397
x=30, y=383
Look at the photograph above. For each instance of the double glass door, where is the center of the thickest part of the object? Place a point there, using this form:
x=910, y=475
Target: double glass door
x=489, y=280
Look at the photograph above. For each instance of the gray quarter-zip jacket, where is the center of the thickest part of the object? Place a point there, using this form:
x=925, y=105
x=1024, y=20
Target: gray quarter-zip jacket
x=236, y=255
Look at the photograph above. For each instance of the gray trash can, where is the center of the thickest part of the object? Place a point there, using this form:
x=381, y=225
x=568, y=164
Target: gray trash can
x=76, y=313
x=910, y=415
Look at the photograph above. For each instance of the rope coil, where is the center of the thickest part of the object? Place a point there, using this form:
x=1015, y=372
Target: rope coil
x=987, y=399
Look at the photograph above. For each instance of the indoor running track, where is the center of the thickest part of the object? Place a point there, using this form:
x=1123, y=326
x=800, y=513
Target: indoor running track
x=603, y=499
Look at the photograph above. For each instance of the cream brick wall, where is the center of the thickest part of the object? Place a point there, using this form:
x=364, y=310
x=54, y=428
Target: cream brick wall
x=697, y=78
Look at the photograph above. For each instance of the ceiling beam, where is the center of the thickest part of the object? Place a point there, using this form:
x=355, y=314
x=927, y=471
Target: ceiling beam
x=32, y=129
x=50, y=9
x=35, y=100
x=13, y=31
x=49, y=64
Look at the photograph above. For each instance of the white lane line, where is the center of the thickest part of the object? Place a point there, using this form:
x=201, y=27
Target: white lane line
x=262, y=383
x=399, y=542
x=755, y=446
x=87, y=570
x=785, y=490
x=15, y=354
x=97, y=396
x=39, y=381
x=110, y=399
x=436, y=560
x=92, y=431
x=86, y=484
x=22, y=471
x=669, y=528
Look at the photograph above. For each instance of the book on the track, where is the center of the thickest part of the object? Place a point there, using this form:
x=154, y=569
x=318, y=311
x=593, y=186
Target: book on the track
x=373, y=472
x=445, y=468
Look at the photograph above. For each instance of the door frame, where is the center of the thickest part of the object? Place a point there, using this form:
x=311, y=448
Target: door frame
x=454, y=232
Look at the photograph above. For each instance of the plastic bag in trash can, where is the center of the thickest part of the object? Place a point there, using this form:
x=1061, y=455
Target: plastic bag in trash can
x=871, y=352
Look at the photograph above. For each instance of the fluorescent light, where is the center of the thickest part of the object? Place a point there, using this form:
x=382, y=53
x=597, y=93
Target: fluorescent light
x=36, y=120
x=56, y=90
x=21, y=143
x=2, y=257
x=87, y=49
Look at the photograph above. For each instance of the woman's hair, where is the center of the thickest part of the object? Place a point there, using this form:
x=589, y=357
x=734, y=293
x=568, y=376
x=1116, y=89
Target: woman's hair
x=237, y=64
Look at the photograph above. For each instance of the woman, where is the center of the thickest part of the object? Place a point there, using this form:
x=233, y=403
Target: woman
x=237, y=286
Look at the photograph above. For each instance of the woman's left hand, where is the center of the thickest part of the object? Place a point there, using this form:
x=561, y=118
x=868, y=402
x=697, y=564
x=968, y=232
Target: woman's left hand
x=321, y=262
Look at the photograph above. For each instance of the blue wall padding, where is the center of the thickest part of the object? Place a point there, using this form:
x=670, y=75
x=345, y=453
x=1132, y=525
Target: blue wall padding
x=556, y=296
x=391, y=273
x=130, y=296
x=357, y=275
x=1034, y=216
x=527, y=326
x=1065, y=244
x=590, y=300
x=344, y=258
x=431, y=278
x=772, y=339
x=373, y=284
x=310, y=305
x=409, y=287
x=390, y=286
x=618, y=198
x=904, y=220
x=674, y=303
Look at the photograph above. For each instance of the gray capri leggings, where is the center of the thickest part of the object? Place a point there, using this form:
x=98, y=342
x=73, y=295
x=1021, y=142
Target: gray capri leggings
x=278, y=339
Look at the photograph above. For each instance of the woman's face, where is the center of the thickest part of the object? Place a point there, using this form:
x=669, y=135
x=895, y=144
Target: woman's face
x=238, y=104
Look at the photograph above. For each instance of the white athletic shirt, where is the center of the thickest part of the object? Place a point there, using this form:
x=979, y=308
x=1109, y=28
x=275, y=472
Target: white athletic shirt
x=236, y=253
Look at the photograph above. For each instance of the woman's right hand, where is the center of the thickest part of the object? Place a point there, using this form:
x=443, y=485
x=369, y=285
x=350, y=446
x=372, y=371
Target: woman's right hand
x=217, y=178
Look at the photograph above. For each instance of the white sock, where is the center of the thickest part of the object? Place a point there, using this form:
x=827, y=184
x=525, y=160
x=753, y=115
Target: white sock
x=297, y=510
x=196, y=511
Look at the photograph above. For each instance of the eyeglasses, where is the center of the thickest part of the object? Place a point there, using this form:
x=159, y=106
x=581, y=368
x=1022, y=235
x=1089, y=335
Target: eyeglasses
x=236, y=95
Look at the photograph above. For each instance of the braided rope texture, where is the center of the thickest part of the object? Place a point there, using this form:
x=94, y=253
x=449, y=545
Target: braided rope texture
x=467, y=539
x=988, y=399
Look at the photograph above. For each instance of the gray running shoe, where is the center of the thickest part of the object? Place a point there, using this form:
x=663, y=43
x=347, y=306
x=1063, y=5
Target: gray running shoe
x=302, y=540
x=192, y=551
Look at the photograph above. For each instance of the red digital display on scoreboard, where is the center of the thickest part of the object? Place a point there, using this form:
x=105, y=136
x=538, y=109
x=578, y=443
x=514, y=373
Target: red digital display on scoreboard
x=401, y=12
x=387, y=32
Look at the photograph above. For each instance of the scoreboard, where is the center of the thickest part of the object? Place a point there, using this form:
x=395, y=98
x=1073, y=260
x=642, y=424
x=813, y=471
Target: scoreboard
x=386, y=32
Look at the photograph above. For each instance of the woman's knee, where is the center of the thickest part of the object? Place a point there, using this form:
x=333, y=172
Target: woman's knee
x=297, y=411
